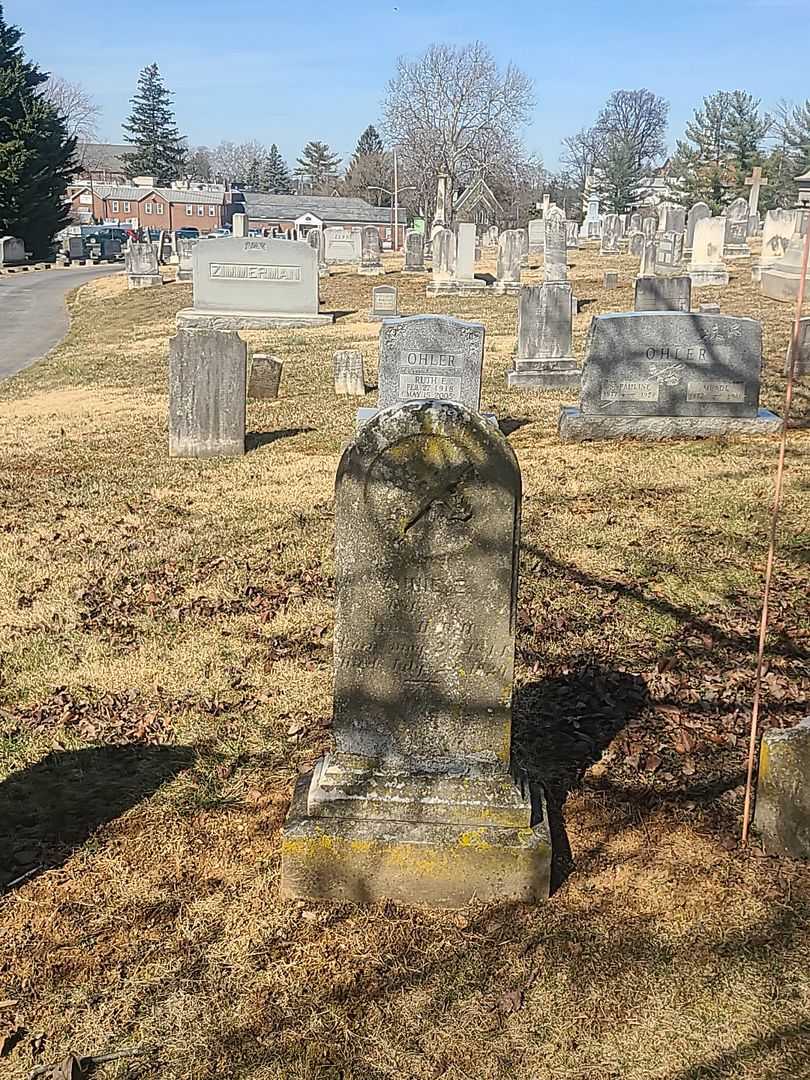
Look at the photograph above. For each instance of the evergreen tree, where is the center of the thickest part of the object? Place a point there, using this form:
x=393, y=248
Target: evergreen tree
x=253, y=178
x=36, y=152
x=369, y=143
x=275, y=174
x=317, y=166
x=791, y=157
x=620, y=175
x=159, y=149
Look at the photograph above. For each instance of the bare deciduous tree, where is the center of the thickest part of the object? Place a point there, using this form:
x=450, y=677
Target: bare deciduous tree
x=75, y=106
x=635, y=119
x=453, y=110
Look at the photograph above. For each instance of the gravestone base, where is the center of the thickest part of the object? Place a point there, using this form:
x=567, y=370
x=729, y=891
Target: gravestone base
x=576, y=426
x=143, y=281
x=185, y=275
x=543, y=374
x=430, y=863
x=370, y=271
x=780, y=285
x=382, y=318
x=737, y=251
x=504, y=287
x=707, y=276
x=368, y=412
x=189, y=319
x=414, y=270
x=324, y=271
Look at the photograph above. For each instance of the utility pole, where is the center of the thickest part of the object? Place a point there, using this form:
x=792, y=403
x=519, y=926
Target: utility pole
x=396, y=203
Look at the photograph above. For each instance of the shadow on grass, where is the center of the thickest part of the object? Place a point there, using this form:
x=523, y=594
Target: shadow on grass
x=50, y=808
x=512, y=423
x=254, y=440
x=342, y=314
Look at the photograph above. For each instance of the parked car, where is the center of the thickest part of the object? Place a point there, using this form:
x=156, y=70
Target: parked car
x=188, y=233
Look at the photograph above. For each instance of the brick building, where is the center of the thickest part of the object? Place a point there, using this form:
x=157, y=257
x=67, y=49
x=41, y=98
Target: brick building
x=147, y=206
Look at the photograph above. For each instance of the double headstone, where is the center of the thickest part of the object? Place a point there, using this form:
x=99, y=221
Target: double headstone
x=669, y=374
x=706, y=266
x=736, y=231
x=141, y=261
x=371, y=252
x=246, y=283
x=418, y=801
x=414, y=252
x=207, y=376
x=342, y=245
x=544, y=358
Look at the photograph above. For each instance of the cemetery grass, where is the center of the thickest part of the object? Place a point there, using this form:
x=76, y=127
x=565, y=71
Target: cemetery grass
x=165, y=676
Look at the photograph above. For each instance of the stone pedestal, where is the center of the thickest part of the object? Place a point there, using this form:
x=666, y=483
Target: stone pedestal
x=190, y=319
x=576, y=426
x=143, y=281
x=418, y=801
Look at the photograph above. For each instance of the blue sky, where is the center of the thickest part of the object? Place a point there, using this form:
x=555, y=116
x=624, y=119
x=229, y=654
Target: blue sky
x=287, y=73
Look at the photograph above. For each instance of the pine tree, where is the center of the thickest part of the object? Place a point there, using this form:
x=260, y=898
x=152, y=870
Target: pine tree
x=36, y=152
x=159, y=149
x=317, y=166
x=253, y=179
x=369, y=143
x=275, y=174
x=791, y=158
x=620, y=175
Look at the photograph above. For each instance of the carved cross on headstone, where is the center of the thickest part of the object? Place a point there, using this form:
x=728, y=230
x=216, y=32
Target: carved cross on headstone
x=755, y=182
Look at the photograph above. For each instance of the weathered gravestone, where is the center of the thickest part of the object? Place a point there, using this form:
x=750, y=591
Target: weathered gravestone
x=663, y=294
x=671, y=219
x=342, y=245
x=571, y=234
x=240, y=225
x=706, y=265
x=347, y=368
x=801, y=364
x=635, y=243
x=649, y=226
x=316, y=242
x=611, y=234
x=669, y=374
x=537, y=236
x=668, y=252
x=510, y=251
x=141, y=263
x=265, y=377
x=555, y=259
x=592, y=222
x=709, y=309
x=414, y=252
x=698, y=212
x=444, y=262
x=634, y=224
x=12, y=251
x=610, y=279
x=783, y=791
x=544, y=357
x=207, y=374
x=464, y=279
x=649, y=257
x=777, y=233
x=246, y=283
x=424, y=357
x=736, y=231
x=185, y=259
x=371, y=252
x=383, y=303
x=780, y=280
x=417, y=801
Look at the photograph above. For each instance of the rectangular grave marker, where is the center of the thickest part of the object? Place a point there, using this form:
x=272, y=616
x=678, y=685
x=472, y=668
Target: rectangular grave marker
x=663, y=294
x=427, y=357
x=207, y=375
x=347, y=367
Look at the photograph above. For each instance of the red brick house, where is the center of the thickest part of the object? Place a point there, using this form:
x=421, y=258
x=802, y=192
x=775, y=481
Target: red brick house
x=147, y=206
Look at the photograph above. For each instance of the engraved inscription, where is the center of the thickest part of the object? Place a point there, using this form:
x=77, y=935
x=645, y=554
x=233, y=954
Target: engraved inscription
x=429, y=386
x=677, y=352
x=629, y=390
x=420, y=360
x=704, y=390
x=247, y=272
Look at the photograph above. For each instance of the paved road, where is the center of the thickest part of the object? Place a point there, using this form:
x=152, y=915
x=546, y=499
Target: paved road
x=33, y=316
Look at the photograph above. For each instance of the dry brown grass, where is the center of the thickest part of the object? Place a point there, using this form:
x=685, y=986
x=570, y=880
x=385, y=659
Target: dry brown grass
x=165, y=674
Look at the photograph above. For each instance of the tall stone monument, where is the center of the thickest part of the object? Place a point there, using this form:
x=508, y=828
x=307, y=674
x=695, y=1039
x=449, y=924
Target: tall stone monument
x=544, y=358
x=555, y=259
x=418, y=801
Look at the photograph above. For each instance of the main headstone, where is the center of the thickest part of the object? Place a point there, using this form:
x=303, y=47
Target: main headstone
x=246, y=283
x=425, y=357
x=801, y=365
x=12, y=251
x=777, y=233
x=185, y=258
x=265, y=377
x=383, y=303
x=736, y=231
x=510, y=251
x=592, y=222
x=782, y=814
x=464, y=278
x=141, y=262
x=611, y=234
x=667, y=375
x=414, y=252
x=649, y=257
x=663, y=294
x=417, y=802
x=240, y=225
x=698, y=212
x=555, y=260
x=671, y=219
x=347, y=367
x=536, y=236
x=342, y=245
x=635, y=243
x=668, y=252
x=706, y=266
x=371, y=252
x=444, y=262
x=207, y=374
x=544, y=358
